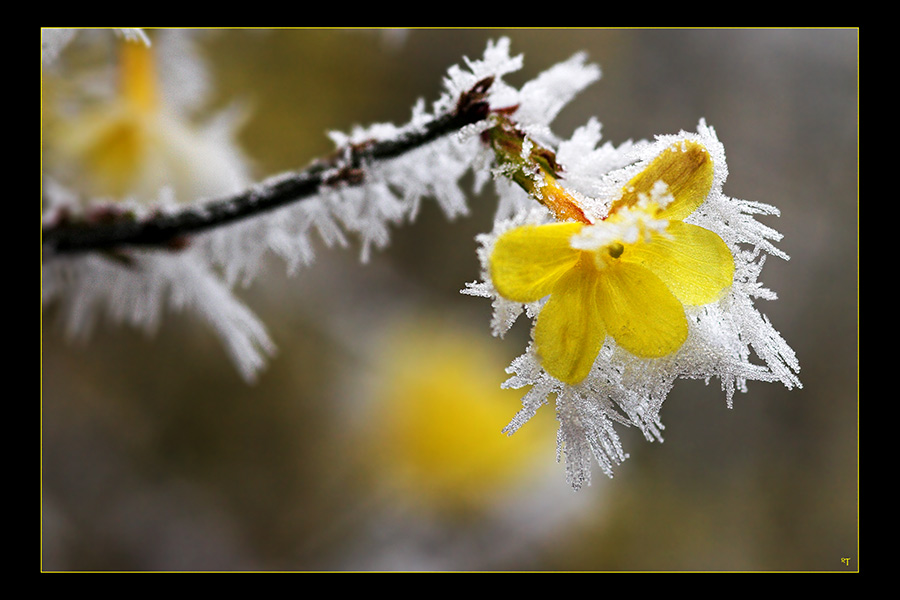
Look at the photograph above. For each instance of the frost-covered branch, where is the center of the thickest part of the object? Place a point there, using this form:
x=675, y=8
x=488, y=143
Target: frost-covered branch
x=101, y=253
x=346, y=167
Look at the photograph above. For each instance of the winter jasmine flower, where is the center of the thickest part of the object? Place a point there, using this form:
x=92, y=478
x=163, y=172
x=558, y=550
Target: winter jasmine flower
x=655, y=282
x=437, y=411
x=140, y=141
x=427, y=423
x=628, y=276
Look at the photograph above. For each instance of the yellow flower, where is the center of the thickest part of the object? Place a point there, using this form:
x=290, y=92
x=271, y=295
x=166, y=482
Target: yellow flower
x=137, y=143
x=629, y=276
x=435, y=434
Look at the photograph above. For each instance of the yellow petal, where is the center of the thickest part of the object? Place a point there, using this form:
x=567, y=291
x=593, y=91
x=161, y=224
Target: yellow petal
x=138, y=77
x=693, y=262
x=527, y=261
x=686, y=167
x=569, y=332
x=109, y=146
x=639, y=311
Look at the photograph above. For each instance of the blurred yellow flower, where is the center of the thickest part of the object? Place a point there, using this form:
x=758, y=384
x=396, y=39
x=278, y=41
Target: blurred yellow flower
x=136, y=144
x=436, y=431
x=629, y=276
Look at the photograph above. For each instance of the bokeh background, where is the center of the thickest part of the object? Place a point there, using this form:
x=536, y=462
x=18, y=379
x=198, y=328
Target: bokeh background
x=155, y=455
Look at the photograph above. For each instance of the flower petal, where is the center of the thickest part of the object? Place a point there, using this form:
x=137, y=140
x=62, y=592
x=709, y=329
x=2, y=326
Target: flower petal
x=527, y=261
x=569, y=331
x=639, y=311
x=686, y=168
x=693, y=262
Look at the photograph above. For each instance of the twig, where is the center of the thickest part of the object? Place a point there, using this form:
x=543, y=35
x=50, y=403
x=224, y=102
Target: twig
x=346, y=167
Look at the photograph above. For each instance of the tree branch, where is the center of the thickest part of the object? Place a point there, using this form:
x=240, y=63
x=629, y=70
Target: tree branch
x=346, y=167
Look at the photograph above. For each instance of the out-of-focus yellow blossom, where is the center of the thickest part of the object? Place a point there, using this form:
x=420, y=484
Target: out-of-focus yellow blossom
x=435, y=434
x=136, y=144
x=629, y=276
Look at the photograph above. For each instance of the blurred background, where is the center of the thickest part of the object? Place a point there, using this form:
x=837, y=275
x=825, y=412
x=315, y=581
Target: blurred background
x=371, y=442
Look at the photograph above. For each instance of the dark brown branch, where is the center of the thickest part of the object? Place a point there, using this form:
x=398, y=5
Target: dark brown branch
x=345, y=168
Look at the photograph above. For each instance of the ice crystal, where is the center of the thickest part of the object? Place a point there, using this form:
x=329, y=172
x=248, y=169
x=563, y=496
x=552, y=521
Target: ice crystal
x=136, y=291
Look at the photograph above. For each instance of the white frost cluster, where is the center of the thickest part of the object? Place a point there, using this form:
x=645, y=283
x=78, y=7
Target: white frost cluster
x=634, y=223
x=729, y=339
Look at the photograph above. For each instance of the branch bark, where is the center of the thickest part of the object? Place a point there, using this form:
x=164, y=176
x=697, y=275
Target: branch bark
x=346, y=167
